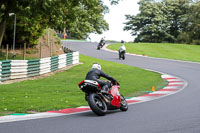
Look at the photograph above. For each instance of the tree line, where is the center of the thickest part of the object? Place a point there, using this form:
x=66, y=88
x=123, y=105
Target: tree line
x=174, y=21
x=78, y=17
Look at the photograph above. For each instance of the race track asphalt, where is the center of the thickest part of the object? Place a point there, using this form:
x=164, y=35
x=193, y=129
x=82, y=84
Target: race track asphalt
x=178, y=113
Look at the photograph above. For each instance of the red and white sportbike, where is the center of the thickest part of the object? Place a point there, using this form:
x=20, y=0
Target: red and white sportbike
x=101, y=102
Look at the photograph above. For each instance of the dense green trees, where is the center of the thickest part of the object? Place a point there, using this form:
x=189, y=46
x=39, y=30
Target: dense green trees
x=166, y=21
x=193, y=27
x=79, y=17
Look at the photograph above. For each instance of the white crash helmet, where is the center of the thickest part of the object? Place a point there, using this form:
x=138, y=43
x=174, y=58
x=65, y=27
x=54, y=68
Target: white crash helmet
x=97, y=66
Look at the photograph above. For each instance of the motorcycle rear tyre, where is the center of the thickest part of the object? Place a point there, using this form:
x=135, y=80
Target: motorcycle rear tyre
x=94, y=100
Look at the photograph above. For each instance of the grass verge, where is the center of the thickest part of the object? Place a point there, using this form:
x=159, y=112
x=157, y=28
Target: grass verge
x=10, y=57
x=163, y=50
x=61, y=90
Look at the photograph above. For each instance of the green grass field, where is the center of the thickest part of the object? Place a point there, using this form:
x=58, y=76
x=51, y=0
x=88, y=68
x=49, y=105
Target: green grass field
x=61, y=90
x=163, y=50
x=10, y=57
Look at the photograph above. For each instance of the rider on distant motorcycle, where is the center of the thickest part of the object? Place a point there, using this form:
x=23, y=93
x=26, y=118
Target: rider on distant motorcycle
x=122, y=49
x=95, y=75
x=102, y=41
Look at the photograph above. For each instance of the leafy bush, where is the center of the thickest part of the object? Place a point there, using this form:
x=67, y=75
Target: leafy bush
x=183, y=37
x=197, y=42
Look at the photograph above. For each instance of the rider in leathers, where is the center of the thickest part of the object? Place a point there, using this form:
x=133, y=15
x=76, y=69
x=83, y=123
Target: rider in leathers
x=122, y=49
x=95, y=75
x=102, y=41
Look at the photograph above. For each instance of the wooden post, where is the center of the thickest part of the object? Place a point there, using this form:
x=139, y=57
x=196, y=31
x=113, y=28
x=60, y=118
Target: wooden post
x=7, y=51
x=51, y=49
x=24, y=55
x=48, y=38
x=64, y=33
x=40, y=50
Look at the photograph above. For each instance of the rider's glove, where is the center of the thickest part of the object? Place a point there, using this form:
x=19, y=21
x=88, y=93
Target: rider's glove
x=114, y=82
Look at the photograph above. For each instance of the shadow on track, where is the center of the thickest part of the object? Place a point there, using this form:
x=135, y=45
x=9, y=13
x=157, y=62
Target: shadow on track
x=91, y=114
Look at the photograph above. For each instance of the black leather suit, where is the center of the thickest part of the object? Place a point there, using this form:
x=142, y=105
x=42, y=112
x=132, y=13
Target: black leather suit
x=95, y=75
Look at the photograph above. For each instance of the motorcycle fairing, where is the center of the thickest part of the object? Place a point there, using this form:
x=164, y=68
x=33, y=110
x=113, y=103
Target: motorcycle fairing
x=114, y=91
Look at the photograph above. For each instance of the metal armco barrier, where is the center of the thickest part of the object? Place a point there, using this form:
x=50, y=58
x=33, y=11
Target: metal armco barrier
x=15, y=69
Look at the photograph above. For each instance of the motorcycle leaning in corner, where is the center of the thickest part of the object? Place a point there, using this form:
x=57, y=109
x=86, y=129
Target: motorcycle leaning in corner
x=100, y=102
x=101, y=44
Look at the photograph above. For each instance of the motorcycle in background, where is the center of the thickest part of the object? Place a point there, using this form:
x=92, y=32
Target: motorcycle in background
x=101, y=44
x=122, y=54
x=101, y=102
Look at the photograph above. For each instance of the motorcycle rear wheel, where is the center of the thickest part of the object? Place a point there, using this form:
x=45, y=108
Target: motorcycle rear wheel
x=124, y=105
x=97, y=104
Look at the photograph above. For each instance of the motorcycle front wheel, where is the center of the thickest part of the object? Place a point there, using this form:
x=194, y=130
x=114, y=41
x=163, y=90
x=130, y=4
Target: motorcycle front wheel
x=97, y=104
x=124, y=105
